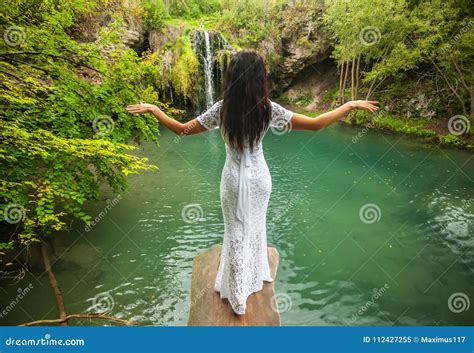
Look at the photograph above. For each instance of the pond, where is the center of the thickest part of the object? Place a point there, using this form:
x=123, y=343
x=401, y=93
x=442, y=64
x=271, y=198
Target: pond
x=371, y=230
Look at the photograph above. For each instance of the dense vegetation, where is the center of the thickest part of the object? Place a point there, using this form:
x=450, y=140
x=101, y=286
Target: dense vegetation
x=64, y=131
x=417, y=57
x=66, y=76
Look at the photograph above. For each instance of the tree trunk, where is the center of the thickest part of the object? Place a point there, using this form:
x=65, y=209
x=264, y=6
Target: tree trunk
x=471, y=95
x=451, y=87
x=373, y=87
x=353, y=79
x=344, y=82
x=357, y=78
x=54, y=285
x=466, y=86
x=369, y=91
x=341, y=75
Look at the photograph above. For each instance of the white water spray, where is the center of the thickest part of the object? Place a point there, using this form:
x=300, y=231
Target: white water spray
x=208, y=71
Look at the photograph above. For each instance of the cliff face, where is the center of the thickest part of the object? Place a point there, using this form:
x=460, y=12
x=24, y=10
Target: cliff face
x=297, y=53
x=304, y=73
x=88, y=25
x=159, y=39
x=303, y=44
x=312, y=88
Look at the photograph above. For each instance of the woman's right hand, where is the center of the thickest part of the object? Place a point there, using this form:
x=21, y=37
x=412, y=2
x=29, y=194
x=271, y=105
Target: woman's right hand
x=371, y=106
x=142, y=108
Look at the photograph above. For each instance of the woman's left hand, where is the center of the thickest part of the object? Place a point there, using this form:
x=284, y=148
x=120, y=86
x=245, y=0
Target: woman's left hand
x=141, y=108
x=371, y=106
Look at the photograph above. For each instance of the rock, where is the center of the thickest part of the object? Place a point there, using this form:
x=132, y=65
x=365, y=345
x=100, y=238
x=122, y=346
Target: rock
x=132, y=38
x=310, y=86
x=160, y=39
x=303, y=44
x=88, y=25
x=208, y=309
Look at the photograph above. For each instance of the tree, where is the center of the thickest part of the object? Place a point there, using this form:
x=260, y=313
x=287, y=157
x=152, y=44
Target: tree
x=64, y=130
x=428, y=39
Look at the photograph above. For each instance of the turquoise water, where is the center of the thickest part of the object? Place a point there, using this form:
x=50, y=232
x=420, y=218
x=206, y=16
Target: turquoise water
x=399, y=267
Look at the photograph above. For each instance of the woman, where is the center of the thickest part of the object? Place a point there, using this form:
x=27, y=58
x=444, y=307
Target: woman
x=244, y=116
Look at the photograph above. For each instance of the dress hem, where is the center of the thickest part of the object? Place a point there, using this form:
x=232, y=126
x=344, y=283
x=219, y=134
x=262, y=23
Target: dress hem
x=242, y=312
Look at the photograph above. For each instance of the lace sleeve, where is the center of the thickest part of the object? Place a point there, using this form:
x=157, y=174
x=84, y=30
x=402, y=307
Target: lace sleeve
x=280, y=116
x=211, y=117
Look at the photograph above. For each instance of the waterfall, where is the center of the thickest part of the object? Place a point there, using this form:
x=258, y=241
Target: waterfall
x=208, y=71
x=210, y=48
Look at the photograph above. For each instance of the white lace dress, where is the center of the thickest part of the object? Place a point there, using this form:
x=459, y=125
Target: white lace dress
x=245, y=190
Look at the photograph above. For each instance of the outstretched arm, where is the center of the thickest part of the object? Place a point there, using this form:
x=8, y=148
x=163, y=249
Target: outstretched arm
x=192, y=127
x=303, y=122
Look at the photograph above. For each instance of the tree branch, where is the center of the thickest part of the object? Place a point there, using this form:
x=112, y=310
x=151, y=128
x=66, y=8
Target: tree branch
x=453, y=89
x=100, y=316
x=75, y=63
x=28, y=64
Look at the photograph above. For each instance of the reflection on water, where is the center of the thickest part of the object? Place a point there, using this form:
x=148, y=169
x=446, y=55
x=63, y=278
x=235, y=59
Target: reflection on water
x=335, y=268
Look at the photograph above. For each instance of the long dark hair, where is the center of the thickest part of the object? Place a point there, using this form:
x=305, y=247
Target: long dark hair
x=246, y=109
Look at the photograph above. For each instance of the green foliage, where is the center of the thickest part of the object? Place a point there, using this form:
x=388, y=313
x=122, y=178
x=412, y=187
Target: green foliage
x=185, y=72
x=63, y=125
x=283, y=98
x=157, y=13
x=250, y=21
x=330, y=96
x=374, y=25
x=403, y=41
x=64, y=130
x=160, y=11
x=303, y=99
x=384, y=120
x=455, y=141
x=410, y=126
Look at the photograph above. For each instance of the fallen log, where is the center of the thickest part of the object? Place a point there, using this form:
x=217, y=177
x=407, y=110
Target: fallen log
x=208, y=309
